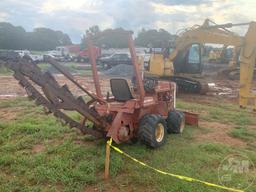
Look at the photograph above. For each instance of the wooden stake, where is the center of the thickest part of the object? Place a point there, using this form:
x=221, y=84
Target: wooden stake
x=107, y=161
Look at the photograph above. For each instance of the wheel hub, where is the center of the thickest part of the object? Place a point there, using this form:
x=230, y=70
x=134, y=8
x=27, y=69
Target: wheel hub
x=159, y=132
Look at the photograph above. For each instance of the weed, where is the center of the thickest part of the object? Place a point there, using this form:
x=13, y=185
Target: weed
x=243, y=133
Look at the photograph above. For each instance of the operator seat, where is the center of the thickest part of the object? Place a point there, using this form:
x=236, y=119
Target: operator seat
x=120, y=90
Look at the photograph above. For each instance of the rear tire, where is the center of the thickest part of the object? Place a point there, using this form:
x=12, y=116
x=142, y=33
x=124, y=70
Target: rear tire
x=152, y=130
x=175, y=122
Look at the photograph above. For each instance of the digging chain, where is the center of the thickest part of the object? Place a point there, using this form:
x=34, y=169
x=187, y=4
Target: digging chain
x=22, y=74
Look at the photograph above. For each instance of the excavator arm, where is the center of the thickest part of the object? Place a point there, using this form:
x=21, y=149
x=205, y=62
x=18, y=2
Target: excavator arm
x=247, y=63
x=206, y=33
x=177, y=62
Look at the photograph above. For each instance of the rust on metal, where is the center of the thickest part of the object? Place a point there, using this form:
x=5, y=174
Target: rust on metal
x=94, y=67
x=191, y=118
x=136, y=68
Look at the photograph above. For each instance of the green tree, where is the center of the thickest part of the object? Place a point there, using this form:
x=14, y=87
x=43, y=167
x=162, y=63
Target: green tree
x=46, y=39
x=153, y=38
x=12, y=37
x=108, y=38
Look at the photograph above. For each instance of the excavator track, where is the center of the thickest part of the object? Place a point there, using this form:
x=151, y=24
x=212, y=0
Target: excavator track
x=53, y=97
x=189, y=85
x=184, y=84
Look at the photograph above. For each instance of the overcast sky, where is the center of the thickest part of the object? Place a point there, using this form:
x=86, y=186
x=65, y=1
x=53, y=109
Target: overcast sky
x=75, y=16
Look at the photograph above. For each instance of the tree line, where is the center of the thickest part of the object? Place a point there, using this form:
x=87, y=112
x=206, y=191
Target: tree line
x=117, y=38
x=41, y=39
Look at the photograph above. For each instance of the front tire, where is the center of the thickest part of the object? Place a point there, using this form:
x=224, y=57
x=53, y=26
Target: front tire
x=153, y=130
x=175, y=122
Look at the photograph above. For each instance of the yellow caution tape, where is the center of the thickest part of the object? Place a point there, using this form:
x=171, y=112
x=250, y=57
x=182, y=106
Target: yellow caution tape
x=109, y=142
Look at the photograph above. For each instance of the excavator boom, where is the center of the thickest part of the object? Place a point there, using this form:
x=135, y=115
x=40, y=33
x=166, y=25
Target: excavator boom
x=247, y=64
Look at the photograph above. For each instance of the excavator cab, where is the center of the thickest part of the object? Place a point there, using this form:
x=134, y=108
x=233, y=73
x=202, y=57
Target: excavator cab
x=189, y=60
x=178, y=66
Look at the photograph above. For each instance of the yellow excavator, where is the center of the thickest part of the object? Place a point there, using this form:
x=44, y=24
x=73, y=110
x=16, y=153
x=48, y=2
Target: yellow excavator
x=219, y=55
x=182, y=62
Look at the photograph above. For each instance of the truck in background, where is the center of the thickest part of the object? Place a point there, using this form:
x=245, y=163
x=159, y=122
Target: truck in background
x=72, y=53
x=83, y=55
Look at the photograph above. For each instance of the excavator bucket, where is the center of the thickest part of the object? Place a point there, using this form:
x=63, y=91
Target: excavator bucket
x=44, y=89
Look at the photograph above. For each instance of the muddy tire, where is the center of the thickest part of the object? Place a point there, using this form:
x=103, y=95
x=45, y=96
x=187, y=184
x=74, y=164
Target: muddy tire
x=152, y=131
x=175, y=122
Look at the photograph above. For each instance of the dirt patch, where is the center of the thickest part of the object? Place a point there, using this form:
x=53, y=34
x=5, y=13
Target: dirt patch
x=84, y=142
x=218, y=133
x=105, y=188
x=8, y=114
x=117, y=184
x=10, y=88
x=215, y=126
x=38, y=148
x=225, y=90
x=251, y=127
x=207, y=99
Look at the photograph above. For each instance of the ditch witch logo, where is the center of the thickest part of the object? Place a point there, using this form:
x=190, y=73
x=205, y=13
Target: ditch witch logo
x=236, y=171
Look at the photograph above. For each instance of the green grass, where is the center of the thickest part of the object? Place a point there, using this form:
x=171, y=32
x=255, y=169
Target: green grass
x=5, y=71
x=244, y=133
x=69, y=161
x=221, y=112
